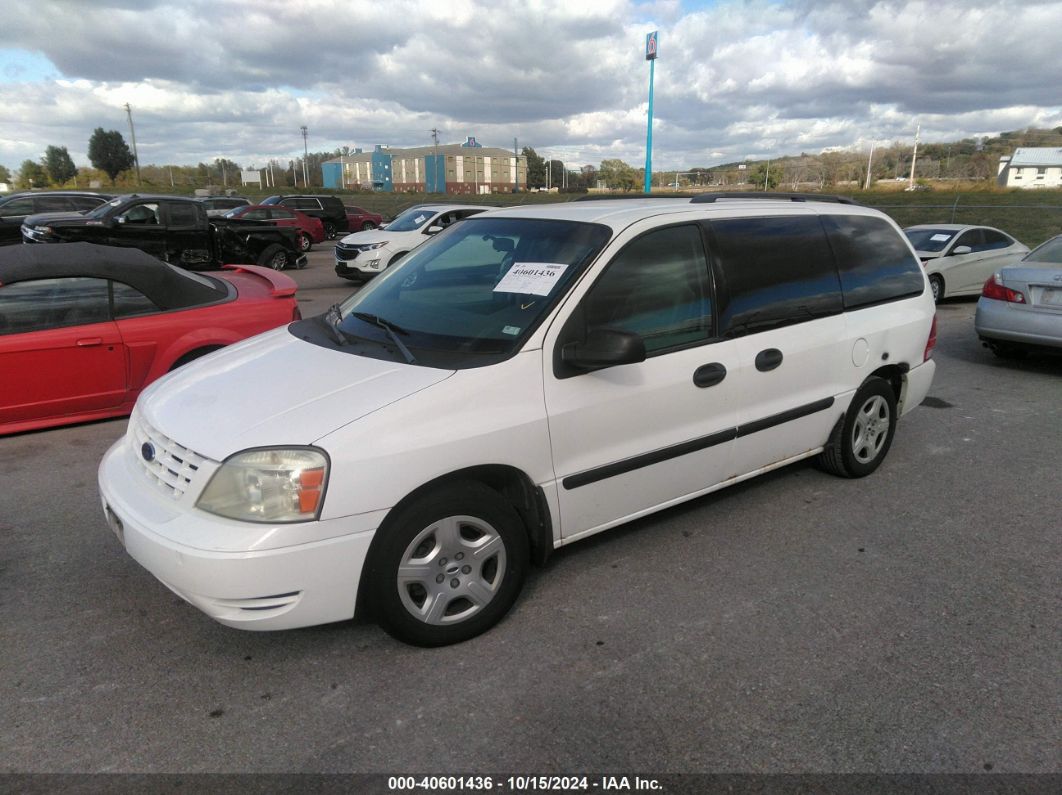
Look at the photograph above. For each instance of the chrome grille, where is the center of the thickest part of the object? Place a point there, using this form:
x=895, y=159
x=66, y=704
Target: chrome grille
x=170, y=466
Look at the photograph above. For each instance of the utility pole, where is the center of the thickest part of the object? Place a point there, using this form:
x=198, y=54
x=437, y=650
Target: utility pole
x=132, y=135
x=435, y=181
x=767, y=175
x=870, y=161
x=305, y=157
x=914, y=156
x=516, y=171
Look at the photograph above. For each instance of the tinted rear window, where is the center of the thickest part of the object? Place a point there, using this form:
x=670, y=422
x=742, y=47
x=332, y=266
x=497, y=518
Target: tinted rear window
x=874, y=262
x=774, y=272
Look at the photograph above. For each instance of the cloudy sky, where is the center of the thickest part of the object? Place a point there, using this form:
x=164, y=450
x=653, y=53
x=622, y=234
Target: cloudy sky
x=735, y=78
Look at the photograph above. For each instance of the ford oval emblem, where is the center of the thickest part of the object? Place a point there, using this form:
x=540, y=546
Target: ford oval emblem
x=147, y=449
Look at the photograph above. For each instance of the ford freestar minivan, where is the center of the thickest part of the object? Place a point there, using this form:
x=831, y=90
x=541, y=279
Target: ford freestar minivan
x=527, y=378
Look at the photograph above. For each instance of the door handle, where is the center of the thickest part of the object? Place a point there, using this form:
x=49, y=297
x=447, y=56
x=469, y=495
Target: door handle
x=709, y=375
x=768, y=359
x=89, y=342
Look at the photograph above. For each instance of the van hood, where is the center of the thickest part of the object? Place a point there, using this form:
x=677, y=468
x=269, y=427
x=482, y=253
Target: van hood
x=274, y=389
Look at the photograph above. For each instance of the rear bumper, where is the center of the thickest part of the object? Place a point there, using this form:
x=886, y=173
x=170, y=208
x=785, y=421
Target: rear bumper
x=916, y=385
x=998, y=320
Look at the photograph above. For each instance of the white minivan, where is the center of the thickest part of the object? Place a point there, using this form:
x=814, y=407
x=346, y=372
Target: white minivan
x=527, y=378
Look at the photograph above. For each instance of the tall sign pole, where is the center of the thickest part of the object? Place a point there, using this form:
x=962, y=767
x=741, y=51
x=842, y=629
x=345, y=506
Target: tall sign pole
x=650, y=56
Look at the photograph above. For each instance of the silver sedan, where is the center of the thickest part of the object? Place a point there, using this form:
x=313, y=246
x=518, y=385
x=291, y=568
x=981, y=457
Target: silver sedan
x=1021, y=305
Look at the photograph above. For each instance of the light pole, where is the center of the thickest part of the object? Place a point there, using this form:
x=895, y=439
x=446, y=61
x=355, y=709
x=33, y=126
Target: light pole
x=650, y=56
x=305, y=156
x=132, y=135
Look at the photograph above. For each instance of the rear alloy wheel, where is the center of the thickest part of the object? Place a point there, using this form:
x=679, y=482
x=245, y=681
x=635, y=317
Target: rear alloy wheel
x=330, y=230
x=448, y=566
x=274, y=257
x=305, y=244
x=936, y=284
x=365, y=227
x=861, y=439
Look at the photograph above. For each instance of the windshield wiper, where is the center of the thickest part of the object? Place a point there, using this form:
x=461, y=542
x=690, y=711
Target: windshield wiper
x=333, y=317
x=392, y=331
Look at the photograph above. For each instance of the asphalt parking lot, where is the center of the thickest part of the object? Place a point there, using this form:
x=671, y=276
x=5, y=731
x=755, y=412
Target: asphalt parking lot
x=906, y=622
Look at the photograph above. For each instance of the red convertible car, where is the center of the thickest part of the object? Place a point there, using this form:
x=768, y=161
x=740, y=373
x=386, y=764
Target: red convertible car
x=84, y=328
x=311, y=230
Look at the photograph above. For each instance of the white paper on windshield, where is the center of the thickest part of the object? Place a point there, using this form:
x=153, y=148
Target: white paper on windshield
x=420, y=219
x=940, y=238
x=531, y=278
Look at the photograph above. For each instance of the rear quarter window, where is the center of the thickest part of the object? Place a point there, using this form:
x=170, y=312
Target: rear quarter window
x=773, y=272
x=874, y=262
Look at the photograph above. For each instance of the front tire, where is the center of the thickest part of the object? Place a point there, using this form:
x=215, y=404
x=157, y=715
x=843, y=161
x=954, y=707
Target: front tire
x=274, y=257
x=861, y=439
x=448, y=566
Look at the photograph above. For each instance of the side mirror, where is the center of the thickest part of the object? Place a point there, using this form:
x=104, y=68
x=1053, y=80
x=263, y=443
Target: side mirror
x=604, y=348
x=433, y=230
x=960, y=250
x=119, y=220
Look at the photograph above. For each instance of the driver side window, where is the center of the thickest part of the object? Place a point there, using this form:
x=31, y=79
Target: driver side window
x=656, y=287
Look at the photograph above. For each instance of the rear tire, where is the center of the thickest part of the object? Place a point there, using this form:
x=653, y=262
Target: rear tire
x=861, y=439
x=447, y=566
x=330, y=230
x=365, y=227
x=936, y=285
x=305, y=244
x=274, y=257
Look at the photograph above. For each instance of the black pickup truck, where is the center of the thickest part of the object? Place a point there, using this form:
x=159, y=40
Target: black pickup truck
x=172, y=228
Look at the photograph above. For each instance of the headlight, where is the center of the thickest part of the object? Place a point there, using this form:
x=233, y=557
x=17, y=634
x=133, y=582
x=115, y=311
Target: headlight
x=268, y=485
x=371, y=246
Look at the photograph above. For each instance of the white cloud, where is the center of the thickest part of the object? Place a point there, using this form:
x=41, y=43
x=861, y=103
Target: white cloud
x=736, y=78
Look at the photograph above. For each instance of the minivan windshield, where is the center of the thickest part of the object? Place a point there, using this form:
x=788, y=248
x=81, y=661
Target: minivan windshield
x=929, y=239
x=472, y=294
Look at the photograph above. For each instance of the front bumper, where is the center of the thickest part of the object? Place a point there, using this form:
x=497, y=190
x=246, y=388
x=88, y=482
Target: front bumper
x=998, y=320
x=256, y=587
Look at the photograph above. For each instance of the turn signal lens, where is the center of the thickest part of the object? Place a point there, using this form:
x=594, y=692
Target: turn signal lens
x=995, y=290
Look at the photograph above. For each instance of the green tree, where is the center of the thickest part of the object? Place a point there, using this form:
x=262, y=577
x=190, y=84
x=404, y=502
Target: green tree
x=764, y=175
x=108, y=152
x=5, y=175
x=618, y=175
x=58, y=164
x=536, y=168
x=32, y=175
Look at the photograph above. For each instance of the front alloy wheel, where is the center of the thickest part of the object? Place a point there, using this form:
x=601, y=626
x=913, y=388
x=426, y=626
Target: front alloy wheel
x=447, y=566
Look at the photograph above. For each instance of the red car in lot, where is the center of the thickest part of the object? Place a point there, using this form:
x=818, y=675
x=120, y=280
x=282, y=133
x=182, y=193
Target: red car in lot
x=84, y=328
x=360, y=220
x=311, y=230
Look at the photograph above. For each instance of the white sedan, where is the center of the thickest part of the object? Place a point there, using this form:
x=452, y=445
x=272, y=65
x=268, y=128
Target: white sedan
x=959, y=258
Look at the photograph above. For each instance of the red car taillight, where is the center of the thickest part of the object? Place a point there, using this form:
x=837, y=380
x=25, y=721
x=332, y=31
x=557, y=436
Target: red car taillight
x=931, y=343
x=994, y=289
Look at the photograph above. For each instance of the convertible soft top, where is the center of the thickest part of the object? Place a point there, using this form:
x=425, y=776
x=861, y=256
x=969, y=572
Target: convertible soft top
x=168, y=287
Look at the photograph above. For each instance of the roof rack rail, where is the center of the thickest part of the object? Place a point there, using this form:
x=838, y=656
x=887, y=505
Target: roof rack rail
x=596, y=197
x=708, y=198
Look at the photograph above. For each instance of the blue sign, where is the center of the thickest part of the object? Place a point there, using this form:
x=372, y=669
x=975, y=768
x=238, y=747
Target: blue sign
x=650, y=46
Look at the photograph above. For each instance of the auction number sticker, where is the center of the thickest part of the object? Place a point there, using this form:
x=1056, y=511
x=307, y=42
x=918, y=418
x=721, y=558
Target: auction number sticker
x=531, y=278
